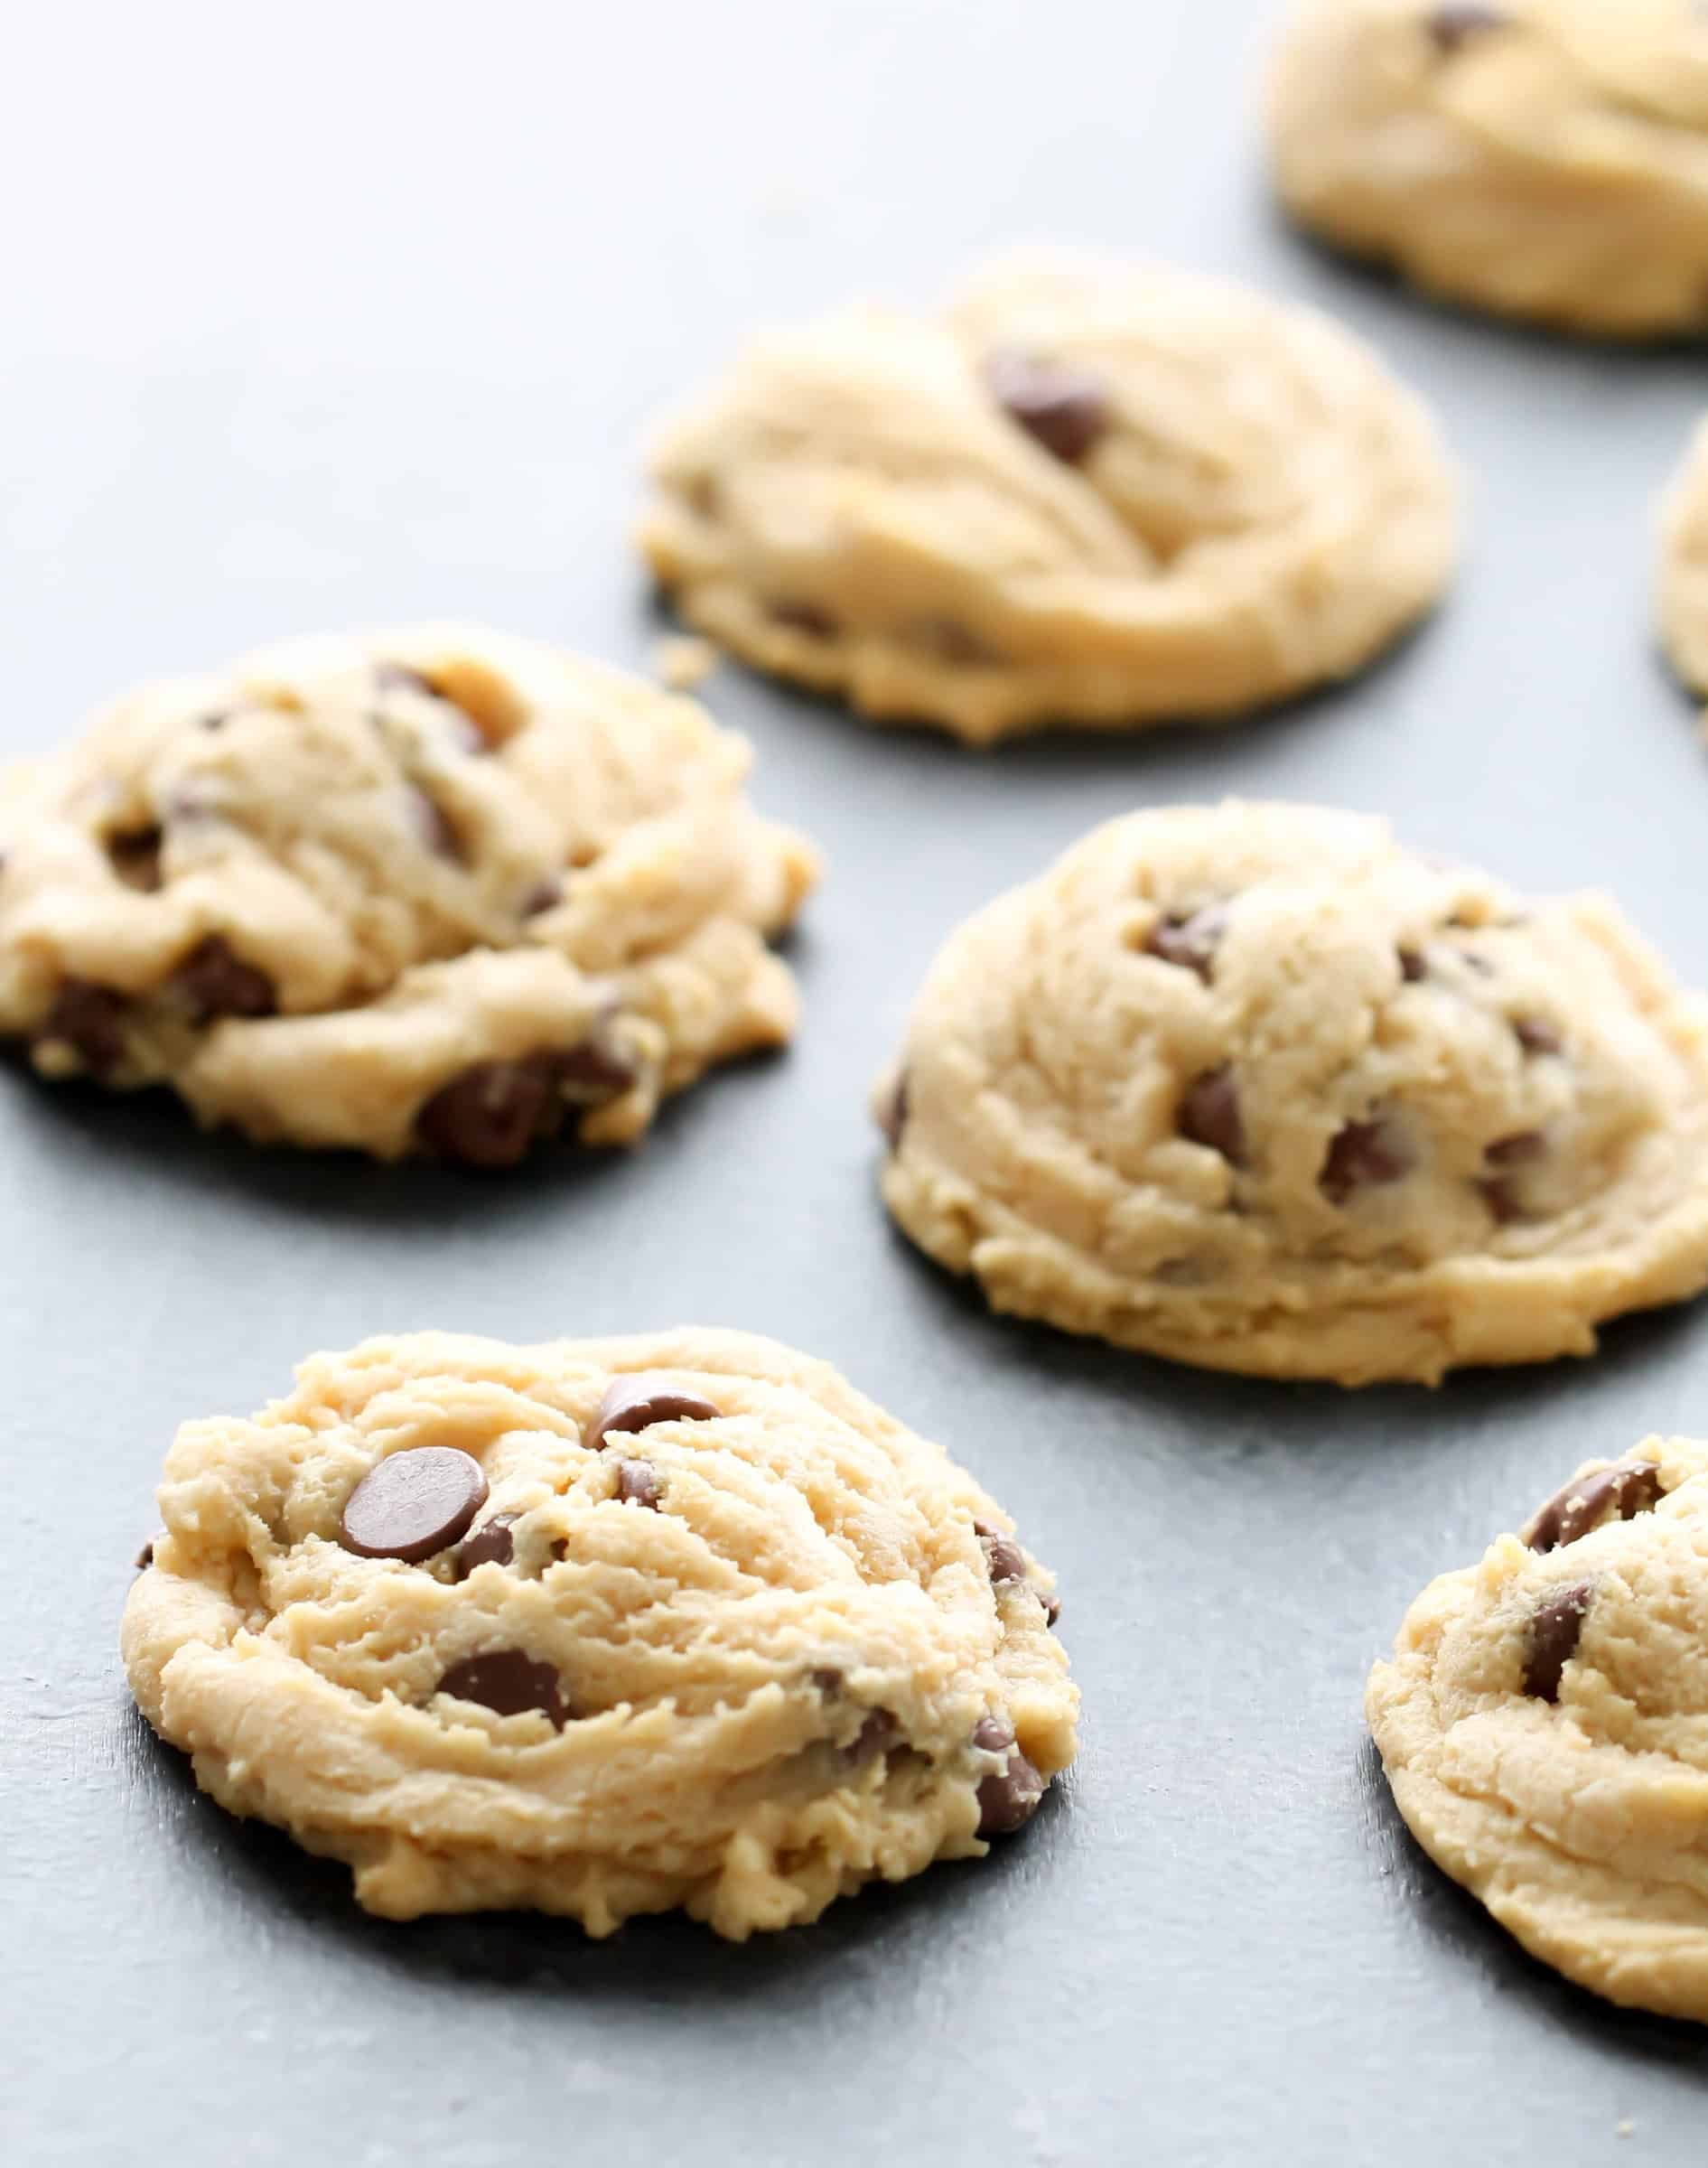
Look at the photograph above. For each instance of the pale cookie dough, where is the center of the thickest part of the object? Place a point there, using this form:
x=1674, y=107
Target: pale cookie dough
x=1089, y=492
x=1544, y=1724
x=1542, y=158
x=1683, y=567
x=1256, y=1088
x=601, y=1627
x=434, y=889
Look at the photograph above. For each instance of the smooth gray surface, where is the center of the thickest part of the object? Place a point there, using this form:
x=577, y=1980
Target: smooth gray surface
x=358, y=316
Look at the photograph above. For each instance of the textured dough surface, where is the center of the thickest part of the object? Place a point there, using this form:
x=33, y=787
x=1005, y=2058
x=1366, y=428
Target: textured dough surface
x=411, y=856
x=1261, y=507
x=1258, y=1089
x=1542, y=158
x=1581, y=1823
x=810, y=1564
x=1683, y=567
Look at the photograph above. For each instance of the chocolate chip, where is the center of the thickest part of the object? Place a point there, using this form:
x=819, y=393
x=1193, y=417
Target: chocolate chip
x=89, y=1019
x=491, y=1544
x=636, y=1485
x=1630, y=1487
x=591, y=1072
x=544, y=895
x=430, y=824
x=1412, y=965
x=412, y=1504
x=892, y=1115
x=1004, y=1559
x=509, y=1682
x=1555, y=1633
x=804, y=617
x=1009, y=1797
x=1450, y=26
x=214, y=721
x=490, y=1115
x=218, y=983
x=1064, y=408
x=947, y=640
x=1517, y=1151
x=1536, y=1035
x=641, y=1399
x=1503, y=1202
x=135, y=857
x=1209, y=1114
x=827, y=1679
x=873, y=1737
x=146, y=1556
x=1190, y=938
x=1364, y=1155
x=1053, y=1611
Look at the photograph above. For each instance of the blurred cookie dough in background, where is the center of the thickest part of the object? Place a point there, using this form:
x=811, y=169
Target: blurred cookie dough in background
x=1089, y=492
x=436, y=889
x=1540, y=158
x=1255, y=1088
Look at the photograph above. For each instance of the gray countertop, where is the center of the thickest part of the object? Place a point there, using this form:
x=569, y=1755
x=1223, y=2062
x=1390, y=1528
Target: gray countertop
x=331, y=315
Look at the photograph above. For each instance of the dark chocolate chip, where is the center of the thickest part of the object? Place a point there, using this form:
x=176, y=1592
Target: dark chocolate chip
x=636, y=1485
x=1517, y=1151
x=1536, y=1035
x=1053, y=1611
x=412, y=1504
x=1630, y=1487
x=827, y=1679
x=1503, y=1202
x=1450, y=26
x=892, y=1115
x=804, y=617
x=1555, y=1633
x=874, y=1736
x=1364, y=1155
x=146, y=1556
x=134, y=856
x=544, y=895
x=1412, y=965
x=1209, y=1114
x=509, y=1682
x=1190, y=938
x=1064, y=408
x=1004, y=1559
x=90, y=1020
x=218, y=983
x=639, y=1400
x=430, y=824
x=591, y=1072
x=491, y=1544
x=490, y=1115
x=1009, y=1797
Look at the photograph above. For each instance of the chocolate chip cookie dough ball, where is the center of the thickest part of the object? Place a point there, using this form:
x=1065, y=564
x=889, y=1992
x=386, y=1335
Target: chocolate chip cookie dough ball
x=1256, y=1088
x=438, y=890
x=1683, y=567
x=1543, y=1725
x=1088, y=492
x=601, y=1627
x=1541, y=158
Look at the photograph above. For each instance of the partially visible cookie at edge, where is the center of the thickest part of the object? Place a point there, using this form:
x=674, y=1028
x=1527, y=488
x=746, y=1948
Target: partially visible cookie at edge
x=597, y=1626
x=438, y=889
x=1256, y=1088
x=1087, y=492
x=1544, y=159
x=1543, y=1725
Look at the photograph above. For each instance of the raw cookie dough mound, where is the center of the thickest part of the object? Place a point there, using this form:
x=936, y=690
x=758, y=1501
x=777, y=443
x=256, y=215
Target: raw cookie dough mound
x=1256, y=1088
x=1090, y=493
x=438, y=889
x=602, y=1627
x=1683, y=567
x=1544, y=1724
x=1542, y=158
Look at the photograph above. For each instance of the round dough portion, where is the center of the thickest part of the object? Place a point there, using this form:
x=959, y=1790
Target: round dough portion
x=1256, y=1088
x=771, y=1650
x=1544, y=159
x=1089, y=492
x=1683, y=567
x=1543, y=1725
x=435, y=888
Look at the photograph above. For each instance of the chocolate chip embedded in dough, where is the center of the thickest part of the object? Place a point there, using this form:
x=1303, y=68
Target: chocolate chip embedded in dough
x=807, y=618
x=1064, y=408
x=892, y=1114
x=875, y=1736
x=1004, y=1559
x=510, y=1683
x=1190, y=938
x=90, y=1020
x=493, y=1543
x=1412, y=967
x=1209, y=1114
x=1008, y=1798
x=491, y=1113
x=134, y=856
x=544, y=895
x=637, y=1484
x=638, y=1400
x=591, y=1072
x=217, y=982
x=1536, y=1035
x=1555, y=1633
x=1364, y=1155
x=1630, y=1487
x=412, y=1504
x=430, y=824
